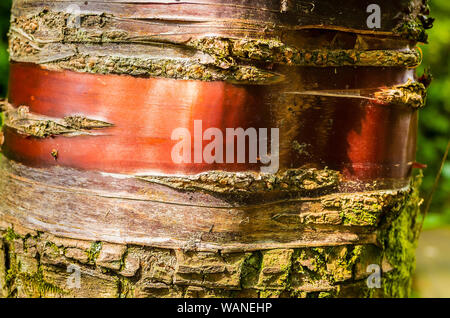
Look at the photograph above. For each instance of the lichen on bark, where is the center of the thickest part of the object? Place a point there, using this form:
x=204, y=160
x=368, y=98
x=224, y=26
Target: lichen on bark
x=275, y=51
x=366, y=209
x=412, y=94
x=47, y=38
x=414, y=26
x=399, y=237
x=26, y=123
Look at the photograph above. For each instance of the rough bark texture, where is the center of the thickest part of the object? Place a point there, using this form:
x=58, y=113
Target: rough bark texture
x=34, y=264
x=87, y=184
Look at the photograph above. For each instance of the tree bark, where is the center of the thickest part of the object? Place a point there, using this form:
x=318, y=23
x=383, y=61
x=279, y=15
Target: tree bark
x=89, y=186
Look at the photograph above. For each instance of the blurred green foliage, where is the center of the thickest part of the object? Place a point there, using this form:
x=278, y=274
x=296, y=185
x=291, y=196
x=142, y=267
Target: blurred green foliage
x=5, y=6
x=434, y=119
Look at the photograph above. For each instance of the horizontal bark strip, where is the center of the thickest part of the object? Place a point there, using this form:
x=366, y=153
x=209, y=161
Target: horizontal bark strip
x=47, y=27
x=223, y=55
x=412, y=94
x=113, y=217
x=279, y=14
x=21, y=120
x=99, y=45
x=355, y=133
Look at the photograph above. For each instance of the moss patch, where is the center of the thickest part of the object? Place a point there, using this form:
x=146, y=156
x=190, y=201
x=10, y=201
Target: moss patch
x=94, y=252
x=399, y=240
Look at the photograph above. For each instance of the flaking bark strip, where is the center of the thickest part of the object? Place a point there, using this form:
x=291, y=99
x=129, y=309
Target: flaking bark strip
x=413, y=26
x=24, y=122
x=412, y=94
x=138, y=60
x=38, y=262
x=51, y=27
x=407, y=19
x=228, y=53
x=366, y=209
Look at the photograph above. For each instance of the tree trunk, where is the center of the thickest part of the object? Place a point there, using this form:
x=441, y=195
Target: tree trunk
x=95, y=203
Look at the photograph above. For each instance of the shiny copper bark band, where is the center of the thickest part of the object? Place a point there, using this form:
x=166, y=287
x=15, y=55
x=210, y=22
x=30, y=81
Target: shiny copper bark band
x=369, y=139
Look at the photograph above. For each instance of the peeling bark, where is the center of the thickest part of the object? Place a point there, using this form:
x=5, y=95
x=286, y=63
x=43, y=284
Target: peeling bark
x=38, y=262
